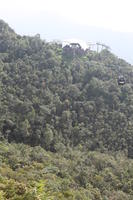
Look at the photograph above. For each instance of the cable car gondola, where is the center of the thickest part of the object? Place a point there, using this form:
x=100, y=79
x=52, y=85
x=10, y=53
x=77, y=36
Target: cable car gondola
x=121, y=80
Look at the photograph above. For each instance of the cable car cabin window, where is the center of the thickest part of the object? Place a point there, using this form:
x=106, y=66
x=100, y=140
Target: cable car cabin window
x=121, y=80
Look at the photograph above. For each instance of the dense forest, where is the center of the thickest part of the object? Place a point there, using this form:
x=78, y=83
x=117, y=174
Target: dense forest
x=66, y=126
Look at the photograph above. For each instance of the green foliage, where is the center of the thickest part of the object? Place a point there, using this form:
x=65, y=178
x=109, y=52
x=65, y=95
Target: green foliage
x=50, y=95
x=33, y=173
x=66, y=101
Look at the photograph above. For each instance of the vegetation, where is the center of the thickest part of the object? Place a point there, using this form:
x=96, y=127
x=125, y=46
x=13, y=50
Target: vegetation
x=65, y=124
x=33, y=173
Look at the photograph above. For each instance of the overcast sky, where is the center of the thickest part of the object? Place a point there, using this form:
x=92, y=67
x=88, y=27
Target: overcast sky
x=62, y=19
x=111, y=14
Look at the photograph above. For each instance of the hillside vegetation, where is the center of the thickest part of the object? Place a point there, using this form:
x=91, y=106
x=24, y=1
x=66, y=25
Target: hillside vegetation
x=31, y=173
x=73, y=120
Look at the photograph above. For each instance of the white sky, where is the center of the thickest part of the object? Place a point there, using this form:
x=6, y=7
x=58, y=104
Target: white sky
x=111, y=14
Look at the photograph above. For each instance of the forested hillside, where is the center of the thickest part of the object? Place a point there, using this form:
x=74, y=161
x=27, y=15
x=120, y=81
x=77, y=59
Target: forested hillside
x=68, y=102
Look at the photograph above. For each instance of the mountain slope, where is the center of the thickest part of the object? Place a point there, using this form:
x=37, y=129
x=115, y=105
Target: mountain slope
x=65, y=123
x=31, y=173
x=50, y=96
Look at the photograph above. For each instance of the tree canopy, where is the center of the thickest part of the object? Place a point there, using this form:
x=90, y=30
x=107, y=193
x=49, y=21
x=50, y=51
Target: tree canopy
x=64, y=98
